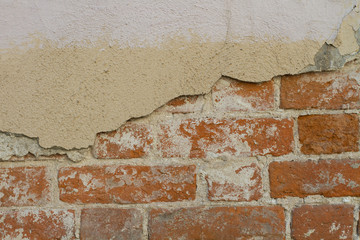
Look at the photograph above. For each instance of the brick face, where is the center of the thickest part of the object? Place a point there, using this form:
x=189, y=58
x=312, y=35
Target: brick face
x=322, y=222
x=127, y=184
x=218, y=223
x=110, y=223
x=129, y=141
x=233, y=95
x=325, y=134
x=234, y=184
x=24, y=186
x=203, y=138
x=37, y=224
x=330, y=178
x=333, y=90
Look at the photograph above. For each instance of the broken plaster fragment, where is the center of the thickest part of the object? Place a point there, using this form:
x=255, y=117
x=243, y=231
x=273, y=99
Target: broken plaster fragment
x=12, y=145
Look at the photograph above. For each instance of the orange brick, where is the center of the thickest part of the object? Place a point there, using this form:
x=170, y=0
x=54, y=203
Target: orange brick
x=329, y=133
x=37, y=224
x=233, y=95
x=331, y=90
x=218, y=223
x=234, y=184
x=127, y=184
x=322, y=222
x=110, y=223
x=24, y=186
x=330, y=178
x=204, y=138
x=184, y=104
x=129, y=141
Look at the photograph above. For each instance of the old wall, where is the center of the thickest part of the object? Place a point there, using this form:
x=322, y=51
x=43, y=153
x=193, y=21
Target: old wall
x=179, y=120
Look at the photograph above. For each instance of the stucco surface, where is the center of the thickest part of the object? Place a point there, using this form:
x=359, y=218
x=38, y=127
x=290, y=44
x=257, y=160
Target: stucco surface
x=72, y=69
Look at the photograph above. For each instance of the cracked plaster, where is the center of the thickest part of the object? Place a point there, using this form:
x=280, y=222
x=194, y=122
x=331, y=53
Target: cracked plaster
x=72, y=69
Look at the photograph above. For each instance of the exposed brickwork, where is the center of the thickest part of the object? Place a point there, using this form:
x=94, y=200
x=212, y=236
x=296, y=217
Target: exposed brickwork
x=127, y=184
x=333, y=90
x=202, y=138
x=330, y=178
x=184, y=104
x=129, y=141
x=218, y=223
x=37, y=224
x=24, y=186
x=327, y=134
x=233, y=95
x=239, y=184
x=110, y=223
x=230, y=164
x=322, y=222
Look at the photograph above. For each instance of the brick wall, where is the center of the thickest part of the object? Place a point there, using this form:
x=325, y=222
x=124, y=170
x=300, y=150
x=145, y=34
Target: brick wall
x=273, y=160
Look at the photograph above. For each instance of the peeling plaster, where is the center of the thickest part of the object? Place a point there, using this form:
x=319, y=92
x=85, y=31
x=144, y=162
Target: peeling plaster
x=64, y=81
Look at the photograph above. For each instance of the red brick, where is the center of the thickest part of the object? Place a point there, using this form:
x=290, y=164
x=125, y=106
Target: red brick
x=322, y=222
x=110, y=223
x=218, y=223
x=330, y=178
x=184, y=104
x=83, y=185
x=24, y=186
x=129, y=141
x=325, y=90
x=234, y=183
x=127, y=184
x=233, y=95
x=37, y=224
x=326, y=134
x=202, y=138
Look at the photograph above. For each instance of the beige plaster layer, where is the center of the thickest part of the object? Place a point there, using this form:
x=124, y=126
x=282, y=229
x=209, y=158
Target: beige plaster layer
x=345, y=40
x=66, y=95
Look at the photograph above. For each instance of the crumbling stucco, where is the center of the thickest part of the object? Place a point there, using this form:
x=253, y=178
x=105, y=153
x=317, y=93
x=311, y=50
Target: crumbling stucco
x=63, y=89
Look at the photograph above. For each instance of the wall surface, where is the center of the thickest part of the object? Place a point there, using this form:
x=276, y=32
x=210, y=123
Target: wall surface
x=179, y=119
x=71, y=69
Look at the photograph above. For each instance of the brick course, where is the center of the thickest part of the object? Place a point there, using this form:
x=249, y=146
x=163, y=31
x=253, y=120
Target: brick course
x=227, y=165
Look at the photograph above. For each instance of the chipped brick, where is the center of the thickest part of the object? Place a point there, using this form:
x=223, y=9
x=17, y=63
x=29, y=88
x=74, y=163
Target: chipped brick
x=127, y=184
x=24, y=186
x=129, y=141
x=234, y=184
x=203, y=138
x=234, y=95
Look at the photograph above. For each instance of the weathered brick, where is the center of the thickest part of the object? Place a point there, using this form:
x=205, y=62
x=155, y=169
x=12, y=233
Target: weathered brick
x=329, y=133
x=184, y=104
x=110, y=223
x=322, y=222
x=234, y=183
x=233, y=95
x=127, y=184
x=83, y=185
x=330, y=178
x=218, y=223
x=129, y=141
x=24, y=186
x=37, y=224
x=202, y=138
x=325, y=90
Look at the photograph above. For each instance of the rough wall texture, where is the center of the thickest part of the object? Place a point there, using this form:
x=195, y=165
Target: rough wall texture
x=70, y=69
x=273, y=160
x=219, y=148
